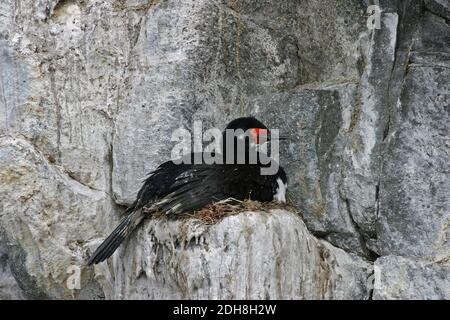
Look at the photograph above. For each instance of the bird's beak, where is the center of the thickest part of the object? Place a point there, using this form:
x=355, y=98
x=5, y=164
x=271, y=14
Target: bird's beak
x=280, y=137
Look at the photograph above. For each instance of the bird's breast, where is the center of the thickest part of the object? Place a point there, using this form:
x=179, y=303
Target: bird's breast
x=280, y=194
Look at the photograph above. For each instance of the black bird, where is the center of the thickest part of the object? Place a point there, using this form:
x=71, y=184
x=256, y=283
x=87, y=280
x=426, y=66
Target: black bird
x=176, y=187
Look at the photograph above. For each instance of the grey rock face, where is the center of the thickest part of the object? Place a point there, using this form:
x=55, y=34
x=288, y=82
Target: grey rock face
x=46, y=217
x=318, y=120
x=415, y=184
x=91, y=92
x=251, y=255
x=9, y=288
x=338, y=130
x=401, y=278
x=194, y=60
x=439, y=7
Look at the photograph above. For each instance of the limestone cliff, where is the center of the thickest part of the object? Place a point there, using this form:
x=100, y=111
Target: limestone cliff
x=91, y=91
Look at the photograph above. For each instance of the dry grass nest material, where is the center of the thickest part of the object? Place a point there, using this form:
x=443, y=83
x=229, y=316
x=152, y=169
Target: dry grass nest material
x=214, y=212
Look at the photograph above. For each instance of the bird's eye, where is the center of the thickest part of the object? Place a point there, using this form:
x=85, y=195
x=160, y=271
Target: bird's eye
x=259, y=134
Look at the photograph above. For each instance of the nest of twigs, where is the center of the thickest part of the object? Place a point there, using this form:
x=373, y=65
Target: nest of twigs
x=218, y=210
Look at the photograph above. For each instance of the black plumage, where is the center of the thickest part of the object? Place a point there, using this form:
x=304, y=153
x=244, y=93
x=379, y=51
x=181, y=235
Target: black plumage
x=178, y=188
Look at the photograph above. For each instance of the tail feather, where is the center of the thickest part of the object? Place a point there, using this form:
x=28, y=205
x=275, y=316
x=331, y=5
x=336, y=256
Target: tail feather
x=107, y=248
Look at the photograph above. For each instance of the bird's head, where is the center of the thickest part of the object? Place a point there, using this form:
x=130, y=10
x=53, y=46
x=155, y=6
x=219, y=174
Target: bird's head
x=251, y=127
x=246, y=134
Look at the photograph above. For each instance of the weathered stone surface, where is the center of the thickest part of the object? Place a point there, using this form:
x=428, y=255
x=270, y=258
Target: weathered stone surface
x=364, y=151
x=414, y=215
x=195, y=60
x=251, y=255
x=328, y=39
x=9, y=288
x=90, y=92
x=401, y=278
x=317, y=120
x=45, y=219
x=439, y=7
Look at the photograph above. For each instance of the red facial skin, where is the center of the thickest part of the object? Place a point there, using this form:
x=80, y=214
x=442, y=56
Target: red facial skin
x=256, y=134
